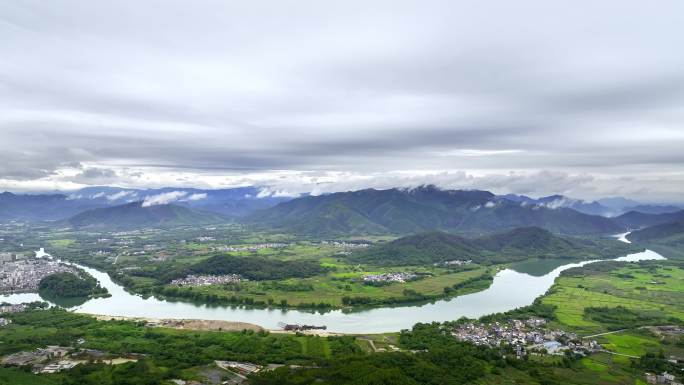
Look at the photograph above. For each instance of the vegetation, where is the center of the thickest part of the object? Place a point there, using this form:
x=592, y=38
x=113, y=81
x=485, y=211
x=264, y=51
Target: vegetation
x=255, y=268
x=635, y=219
x=585, y=296
x=336, y=289
x=515, y=245
x=620, y=317
x=667, y=238
x=70, y=285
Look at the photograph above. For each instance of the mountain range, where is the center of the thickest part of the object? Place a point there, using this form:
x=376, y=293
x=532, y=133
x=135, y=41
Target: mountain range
x=426, y=208
x=391, y=211
x=234, y=202
x=607, y=207
x=134, y=215
x=637, y=220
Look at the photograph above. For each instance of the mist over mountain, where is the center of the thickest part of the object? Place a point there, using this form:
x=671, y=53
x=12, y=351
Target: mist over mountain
x=136, y=215
x=45, y=207
x=234, y=202
x=426, y=208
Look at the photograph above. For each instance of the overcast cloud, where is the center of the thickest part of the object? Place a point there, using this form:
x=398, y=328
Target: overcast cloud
x=584, y=98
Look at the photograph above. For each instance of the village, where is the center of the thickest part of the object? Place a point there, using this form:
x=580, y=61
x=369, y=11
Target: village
x=205, y=280
x=389, y=277
x=524, y=336
x=346, y=245
x=455, y=262
x=251, y=248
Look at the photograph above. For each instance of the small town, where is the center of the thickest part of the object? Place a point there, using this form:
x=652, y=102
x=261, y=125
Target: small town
x=24, y=275
x=389, y=277
x=205, y=280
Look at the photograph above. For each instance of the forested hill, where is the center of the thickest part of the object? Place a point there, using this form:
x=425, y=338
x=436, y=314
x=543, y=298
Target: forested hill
x=70, y=285
x=514, y=245
x=136, y=215
x=658, y=232
x=427, y=208
x=635, y=219
x=666, y=239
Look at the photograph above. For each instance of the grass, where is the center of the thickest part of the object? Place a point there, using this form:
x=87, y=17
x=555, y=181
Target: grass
x=630, y=343
x=315, y=346
x=61, y=242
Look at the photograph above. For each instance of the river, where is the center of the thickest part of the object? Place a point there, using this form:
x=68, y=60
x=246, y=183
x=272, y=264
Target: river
x=512, y=288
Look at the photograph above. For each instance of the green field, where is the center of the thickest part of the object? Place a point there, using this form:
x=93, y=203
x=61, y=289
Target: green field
x=650, y=288
x=346, y=281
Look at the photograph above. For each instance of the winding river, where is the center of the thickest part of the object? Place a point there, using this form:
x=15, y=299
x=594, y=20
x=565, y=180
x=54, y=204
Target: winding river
x=512, y=288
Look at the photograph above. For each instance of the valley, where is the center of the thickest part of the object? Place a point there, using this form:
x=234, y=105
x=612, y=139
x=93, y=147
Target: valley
x=527, y=304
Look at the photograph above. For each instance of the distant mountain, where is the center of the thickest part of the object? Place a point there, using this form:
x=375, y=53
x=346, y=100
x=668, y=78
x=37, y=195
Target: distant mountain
x=133, y=215
x=654, y=209
x=621, y=206
x=427, y=208
x=618, y=203
x=514, y=245
x=665, y=238
x=47, y=207
x=608, y=207
x=234, y=202
x=561, y=201
x=636, y=220
x=518, y=198
x=659, y=232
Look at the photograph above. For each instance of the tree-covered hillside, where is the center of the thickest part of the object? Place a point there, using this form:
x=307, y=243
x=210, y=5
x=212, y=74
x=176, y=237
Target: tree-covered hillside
x=136, y=215
x=427, y=208
x=666, y=238
x=67, y=284
x=514, y=245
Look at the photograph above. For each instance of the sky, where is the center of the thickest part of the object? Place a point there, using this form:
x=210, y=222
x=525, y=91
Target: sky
x=583, y=98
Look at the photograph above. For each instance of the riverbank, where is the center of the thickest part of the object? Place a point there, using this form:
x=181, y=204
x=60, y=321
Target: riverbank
x=211, y=325
x=185, y=324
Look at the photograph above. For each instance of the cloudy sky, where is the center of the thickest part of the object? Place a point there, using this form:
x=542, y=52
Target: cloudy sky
x=584, y=98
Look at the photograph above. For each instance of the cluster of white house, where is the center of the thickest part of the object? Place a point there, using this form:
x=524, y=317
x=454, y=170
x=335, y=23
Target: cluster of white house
x=389, y=277
x=205, y=280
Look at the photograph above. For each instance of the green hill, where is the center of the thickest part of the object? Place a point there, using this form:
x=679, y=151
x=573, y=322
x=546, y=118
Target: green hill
x=666, y=238
x=635, y=219
x=70, y=285
x=405, y=211
x=134, y=215
x=514, y=245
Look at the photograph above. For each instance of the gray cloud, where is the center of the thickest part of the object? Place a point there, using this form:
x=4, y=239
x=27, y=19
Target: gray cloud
x=214, y=93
